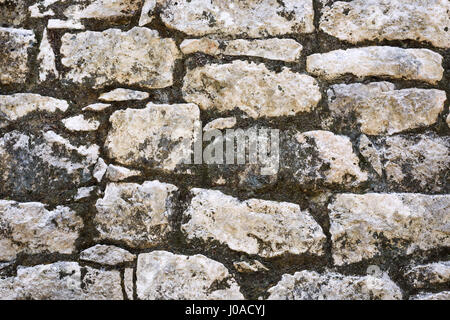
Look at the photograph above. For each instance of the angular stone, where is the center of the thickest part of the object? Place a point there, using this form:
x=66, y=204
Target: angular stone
x=274, y=49
x=123, y=95
x=147, y=7
x=252, y=88
x=419, y=163
x=322, y=158
x=423, y=276
x=128, y=282
x=220, y=124
x=107, y=255
x=287, y=50
x=365, y=226
x=117, y=173
x=30, y=228
x=41, y=9
x=46, y=60
x=99, y=170
x=65, y=281
x=55, y=24
x=43, y=165
x=249, y=267
x=102, y=9
x=79, y=123
x=163, y=275
x=257, y=227
x=138, y=215
x=444, y=295
x=310, y=285
x=14, y=56
x=136, y=57
x=97, y=107
x=371, y=154
x=252, y=18
x=158, y=136
x=380, y=109
x=397, y=63
x=12, y=12
x=16, y=106
x=84, y=192
x=360, y=20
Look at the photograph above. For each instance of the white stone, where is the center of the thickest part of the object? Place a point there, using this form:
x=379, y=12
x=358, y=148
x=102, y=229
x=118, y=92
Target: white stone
x=422, y=276
x=138, y=215
x=159, y=135
x=16, y=106
x=123, y=95
x=362, y=224
x=41, y=10
x=65, y=281
x=128, y=281
x=64, y=24
x=360, y=20
x=135, y=57
x=249, y=267
x=370, y=153
x=97, y=107
x=274, y=49
x=118, y=173
x=257, y=227
x=84, y=192
x=252, y=18
x=163, y=275
x=310, y=285
x=147, y=7
x=107, y=255
x=31, y=228
x=380, y=109
x=252, y=88
x=99, y=170
x=444, y=295
x=203, y=45
x=79, y=123
x=102, y=9
x=337, y=153
x=14, y=56
x=410, y=64
x=46, y=60
x=220, y=124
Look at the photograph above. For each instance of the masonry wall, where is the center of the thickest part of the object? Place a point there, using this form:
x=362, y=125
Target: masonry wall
x=99, y=105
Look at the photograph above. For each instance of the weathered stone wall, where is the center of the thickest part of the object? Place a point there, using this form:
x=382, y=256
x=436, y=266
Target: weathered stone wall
x=96, y=97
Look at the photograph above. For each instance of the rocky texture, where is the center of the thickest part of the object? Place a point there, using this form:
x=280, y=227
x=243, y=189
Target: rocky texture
x=80, y=123
x=123, y=95
x=55, y=24
x=99, y=170
x=46, y=59
x=427, y=275
x=163, y=275
x=16, y=106
x=252, y=88
x=365, y=226
x=107, y=255
x=380, y=109
x=30, y=164
x=118, y=173
x=146, y=12
x=310, y=285
x=420, y=162
x=12, y=12
x=249, y=266
x=62, y=281
x=274, y=49
x=266, y=228
x=136, y=57
x=220, y=124
x=444, y=295
x=411, y=64
x=322, y=158
x=14, y=57
x=128, y=280
x=97, y=107
x=370, y=153
x=138, y=215
x=360, y=20
x=158, y=136
x=235, y=18
x=31, y=228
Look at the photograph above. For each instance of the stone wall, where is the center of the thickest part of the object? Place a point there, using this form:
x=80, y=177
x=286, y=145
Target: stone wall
x=97, y=98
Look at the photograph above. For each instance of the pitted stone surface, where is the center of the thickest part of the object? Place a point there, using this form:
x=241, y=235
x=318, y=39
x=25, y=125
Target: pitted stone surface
x=427, y=275
x=135, y=57
x=138, y=215
x=380, y=109
x=362, y=226
x=31, y=228
x=397, y=63
x=107, y=255
x=159, y=136
x=265, y=228
x=14, y=56
x=310, y=285
x=252, y=18
x=360, y=20
x=167, y=276
x=252, y=88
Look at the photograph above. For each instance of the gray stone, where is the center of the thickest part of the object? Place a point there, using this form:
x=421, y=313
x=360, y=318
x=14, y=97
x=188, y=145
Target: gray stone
x=107, y=255
x=427, y=275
